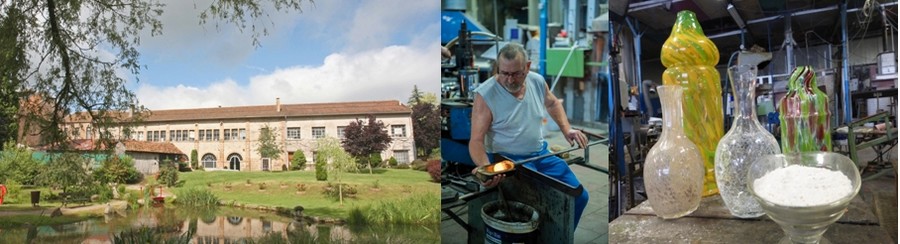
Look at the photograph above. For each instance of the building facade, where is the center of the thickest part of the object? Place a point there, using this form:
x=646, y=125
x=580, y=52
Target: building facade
x=228, y=137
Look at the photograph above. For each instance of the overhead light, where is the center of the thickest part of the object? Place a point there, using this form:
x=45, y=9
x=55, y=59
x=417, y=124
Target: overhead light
x=736, y=16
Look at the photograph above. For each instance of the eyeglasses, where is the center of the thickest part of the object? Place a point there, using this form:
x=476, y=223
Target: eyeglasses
x=511, y=74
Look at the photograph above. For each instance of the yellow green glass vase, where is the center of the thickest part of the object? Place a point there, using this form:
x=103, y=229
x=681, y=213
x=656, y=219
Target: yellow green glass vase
x=690, y=59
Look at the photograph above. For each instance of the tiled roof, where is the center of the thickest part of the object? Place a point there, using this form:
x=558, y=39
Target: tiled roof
x=130, y=146
x=269, y=111
x=152, y=147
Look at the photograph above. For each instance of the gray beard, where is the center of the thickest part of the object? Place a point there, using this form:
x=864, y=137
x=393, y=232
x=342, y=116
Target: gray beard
x=512, y=89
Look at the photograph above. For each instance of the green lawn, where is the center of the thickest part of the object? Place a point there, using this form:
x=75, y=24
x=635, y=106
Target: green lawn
x=282, y=191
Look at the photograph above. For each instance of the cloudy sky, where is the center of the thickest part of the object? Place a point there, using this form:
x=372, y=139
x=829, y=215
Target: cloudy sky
x=333, y=51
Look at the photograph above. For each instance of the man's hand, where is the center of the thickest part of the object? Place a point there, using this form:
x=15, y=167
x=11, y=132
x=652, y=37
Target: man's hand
x=573, y=136
x=493, y=181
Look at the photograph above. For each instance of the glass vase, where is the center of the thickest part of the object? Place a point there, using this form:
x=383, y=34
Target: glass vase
x=690, y=59
x=673, y=170
x=804, y=115
x=744, y=143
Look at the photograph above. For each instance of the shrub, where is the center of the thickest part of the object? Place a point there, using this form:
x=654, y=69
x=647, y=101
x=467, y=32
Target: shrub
x=376, y=185
x=375, y=160
x=301, y=187
x=183, y=167
x=298, y=162
x=194, y=162
x=434, y=169
x=392, y=162
x=332, y=190
x=168, y=174
x=17, y=164
x=403, y=166
x=419, y=165
x=104, y=192
x=321, y=169
x=117, y=170
x=262, y=186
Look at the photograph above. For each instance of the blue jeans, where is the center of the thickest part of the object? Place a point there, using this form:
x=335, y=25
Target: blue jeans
x=556, y=168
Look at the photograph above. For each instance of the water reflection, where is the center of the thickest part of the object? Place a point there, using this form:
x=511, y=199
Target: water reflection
x=222, y=225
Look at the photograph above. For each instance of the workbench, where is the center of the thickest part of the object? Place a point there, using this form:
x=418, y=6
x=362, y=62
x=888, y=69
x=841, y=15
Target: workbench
x=712, y=223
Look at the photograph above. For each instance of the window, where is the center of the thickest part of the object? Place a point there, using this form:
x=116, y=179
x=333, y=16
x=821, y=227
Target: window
x=191, y=135
x=162, y=136
x=140, y=136
x=398, y=130
x=89, y=132
x=171, y=135
x=402, y=156
x=293, y=133
x=265, y=164
x=216, y=135
x=227, y=134
x=318, y=132
x=341, y=131
x=243, y=134
x=209, y=135
x=202, y=134
x=209, y=161
x=234, y=134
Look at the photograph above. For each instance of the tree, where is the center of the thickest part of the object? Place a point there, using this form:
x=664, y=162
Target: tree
x=67, y=171
x=79, y=49
x=299, y=160
x=194, y=163
x=426, y=124
x=339, y=161
x=363, y=140
x=16, y=164
x=268, y=147
x=13, y=59
x=418, y=97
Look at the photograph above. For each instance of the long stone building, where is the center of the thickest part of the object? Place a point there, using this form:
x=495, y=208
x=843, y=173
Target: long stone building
x=227, y=137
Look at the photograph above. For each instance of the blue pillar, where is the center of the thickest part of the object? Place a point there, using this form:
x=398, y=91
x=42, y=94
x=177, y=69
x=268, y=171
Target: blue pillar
x=845, y=70
x=543, y=62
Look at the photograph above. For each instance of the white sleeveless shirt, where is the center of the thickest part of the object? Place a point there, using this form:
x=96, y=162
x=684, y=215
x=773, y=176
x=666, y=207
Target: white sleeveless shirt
x=517, y=124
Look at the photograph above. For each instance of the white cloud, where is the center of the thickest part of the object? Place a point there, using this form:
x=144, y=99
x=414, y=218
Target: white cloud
x=373, y=21
x=378, y=74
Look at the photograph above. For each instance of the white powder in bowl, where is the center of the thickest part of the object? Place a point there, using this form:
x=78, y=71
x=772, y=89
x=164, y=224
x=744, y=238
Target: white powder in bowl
x=801, y=186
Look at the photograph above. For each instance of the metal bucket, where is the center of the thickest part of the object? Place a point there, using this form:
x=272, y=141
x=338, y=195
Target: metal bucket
x=501, y=231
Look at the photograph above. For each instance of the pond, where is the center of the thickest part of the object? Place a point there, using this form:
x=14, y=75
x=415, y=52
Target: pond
x=220, y=225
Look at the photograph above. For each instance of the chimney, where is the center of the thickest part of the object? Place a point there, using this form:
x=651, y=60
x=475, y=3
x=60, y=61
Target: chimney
x=278, y=104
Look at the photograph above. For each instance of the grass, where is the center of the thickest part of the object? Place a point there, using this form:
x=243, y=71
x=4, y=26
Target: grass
x=393, y=186
x=419, y=209
x=197, y=197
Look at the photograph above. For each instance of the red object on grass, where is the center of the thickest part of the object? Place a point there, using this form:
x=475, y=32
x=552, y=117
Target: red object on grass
x=2, y=193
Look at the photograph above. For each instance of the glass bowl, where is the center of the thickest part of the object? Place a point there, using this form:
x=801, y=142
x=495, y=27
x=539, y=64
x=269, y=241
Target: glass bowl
x=805, y=224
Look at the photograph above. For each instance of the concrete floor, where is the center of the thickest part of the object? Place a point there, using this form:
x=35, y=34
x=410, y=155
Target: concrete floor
x=881, y=193
x=594, y=226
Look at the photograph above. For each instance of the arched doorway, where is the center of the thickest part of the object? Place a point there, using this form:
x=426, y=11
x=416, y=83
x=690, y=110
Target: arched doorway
x=234, y=161
x=209, y=161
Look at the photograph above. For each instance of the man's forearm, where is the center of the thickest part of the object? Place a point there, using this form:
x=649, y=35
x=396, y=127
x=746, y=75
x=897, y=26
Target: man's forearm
x=477, y=152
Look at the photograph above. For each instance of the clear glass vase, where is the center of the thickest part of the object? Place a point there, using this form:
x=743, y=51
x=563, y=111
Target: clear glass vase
x=690, y=59
x=744, y=143
x=673, y=170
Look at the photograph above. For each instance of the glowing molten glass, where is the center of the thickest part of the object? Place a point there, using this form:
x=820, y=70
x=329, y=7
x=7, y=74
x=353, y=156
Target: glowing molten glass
x=500, y=167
